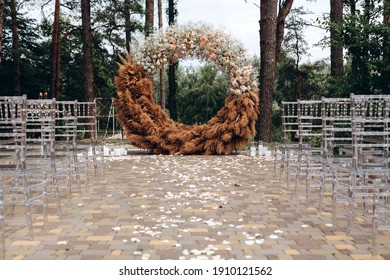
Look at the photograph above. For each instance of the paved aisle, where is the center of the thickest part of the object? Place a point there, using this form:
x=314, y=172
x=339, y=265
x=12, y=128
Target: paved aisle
x=184, y=207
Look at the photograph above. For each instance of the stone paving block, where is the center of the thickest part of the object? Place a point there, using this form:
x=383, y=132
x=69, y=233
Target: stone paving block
x=345, y=247
x=26, y=243
x=361, y=256
x=335, y=237
x=99, y=238
x=291, y=252
x=163, y=242
x=91, y=212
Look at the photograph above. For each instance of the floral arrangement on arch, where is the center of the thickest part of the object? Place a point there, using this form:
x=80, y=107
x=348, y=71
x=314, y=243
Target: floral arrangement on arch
x=149, y=127
x=200, y=42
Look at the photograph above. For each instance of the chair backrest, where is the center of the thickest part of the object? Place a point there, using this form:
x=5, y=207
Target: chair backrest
x=289, y=121
x=66, y=121
x=13, y=130
x=309, y=122
x=336, y=127
x=370, y=130
x=86, y=119
x=40, y=124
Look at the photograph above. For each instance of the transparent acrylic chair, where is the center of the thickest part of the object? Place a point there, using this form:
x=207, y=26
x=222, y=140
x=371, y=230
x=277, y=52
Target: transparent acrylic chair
x=66, y=140
x=371, y=136
x=41, y=150
x=86, y=119
x=381, y=212
x=2, y=224
x=286, y=152
x=308, y=164
x=21, y=184
x=370, y=153
x=337, y=148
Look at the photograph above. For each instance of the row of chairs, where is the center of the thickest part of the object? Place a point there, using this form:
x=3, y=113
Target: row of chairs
x=42, y=156
x=341, y=145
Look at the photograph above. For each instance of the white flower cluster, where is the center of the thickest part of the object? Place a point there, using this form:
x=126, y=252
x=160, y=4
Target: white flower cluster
x=202, y=42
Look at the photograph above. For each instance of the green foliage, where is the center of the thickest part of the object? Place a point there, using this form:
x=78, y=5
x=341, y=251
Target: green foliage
x=35, y=44
x=314, y=84
x=201, y=93
x=366, y=40
x=32, y=59
x=294, y=42
x=109, y=21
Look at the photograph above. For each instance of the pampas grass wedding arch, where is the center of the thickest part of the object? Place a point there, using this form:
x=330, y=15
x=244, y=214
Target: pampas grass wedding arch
x=149, y=127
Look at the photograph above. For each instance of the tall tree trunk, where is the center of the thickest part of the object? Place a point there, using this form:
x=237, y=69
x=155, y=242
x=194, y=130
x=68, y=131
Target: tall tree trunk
x=172, y=68
x=284, y=10
x=55, y=71
x=386, y=23
x=354, y=50
x=149, y=16
x=127, y=15
x=162, y=77
x=336, y=50
x=365, y=87
x=2, y=6
x=386, y=44
x=297, y=71
x=87, y=49
x=16, y=50
x=268, y=22
x=172, y=91
x=58, y=71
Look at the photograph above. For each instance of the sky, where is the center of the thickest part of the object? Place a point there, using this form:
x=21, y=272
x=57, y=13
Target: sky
x=240, y=18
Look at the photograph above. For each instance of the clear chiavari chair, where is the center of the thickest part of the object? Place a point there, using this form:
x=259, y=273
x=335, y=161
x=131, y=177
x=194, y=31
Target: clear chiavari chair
x=2, y=224
x=370, y=154
x=381, y=211
x=371, y=136
x=66, y=140
x=41, y=148
x=86, y=119
x=21, y=184
x=337, y=146
x=381, y=214
x=308, y=164
x=286, y=152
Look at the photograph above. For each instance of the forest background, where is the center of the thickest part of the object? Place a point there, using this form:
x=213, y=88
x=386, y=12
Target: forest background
x=70, y=49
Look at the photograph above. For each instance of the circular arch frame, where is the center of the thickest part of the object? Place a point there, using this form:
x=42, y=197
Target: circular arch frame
x=149, y=127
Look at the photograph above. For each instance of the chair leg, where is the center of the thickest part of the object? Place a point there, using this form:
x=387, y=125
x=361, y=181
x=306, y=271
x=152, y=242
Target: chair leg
x=2, y=238
x=275, y=160
x=78, y=180
x=57, y=194
x=2, y=230
x=334, y=208
x=95, y=165
x=321, y=192
x=28, y=214
x=297, y=179
x=45, y=203
x=307, y=188
x=374, y=237
x=351, y=214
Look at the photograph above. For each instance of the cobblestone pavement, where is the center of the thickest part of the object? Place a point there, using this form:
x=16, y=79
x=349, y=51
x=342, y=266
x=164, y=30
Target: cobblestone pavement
x=191, y=207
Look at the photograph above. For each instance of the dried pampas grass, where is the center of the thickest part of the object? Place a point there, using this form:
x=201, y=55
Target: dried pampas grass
x=149, y=127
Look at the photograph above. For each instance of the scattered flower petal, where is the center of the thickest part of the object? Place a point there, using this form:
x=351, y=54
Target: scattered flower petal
x=116, y=228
